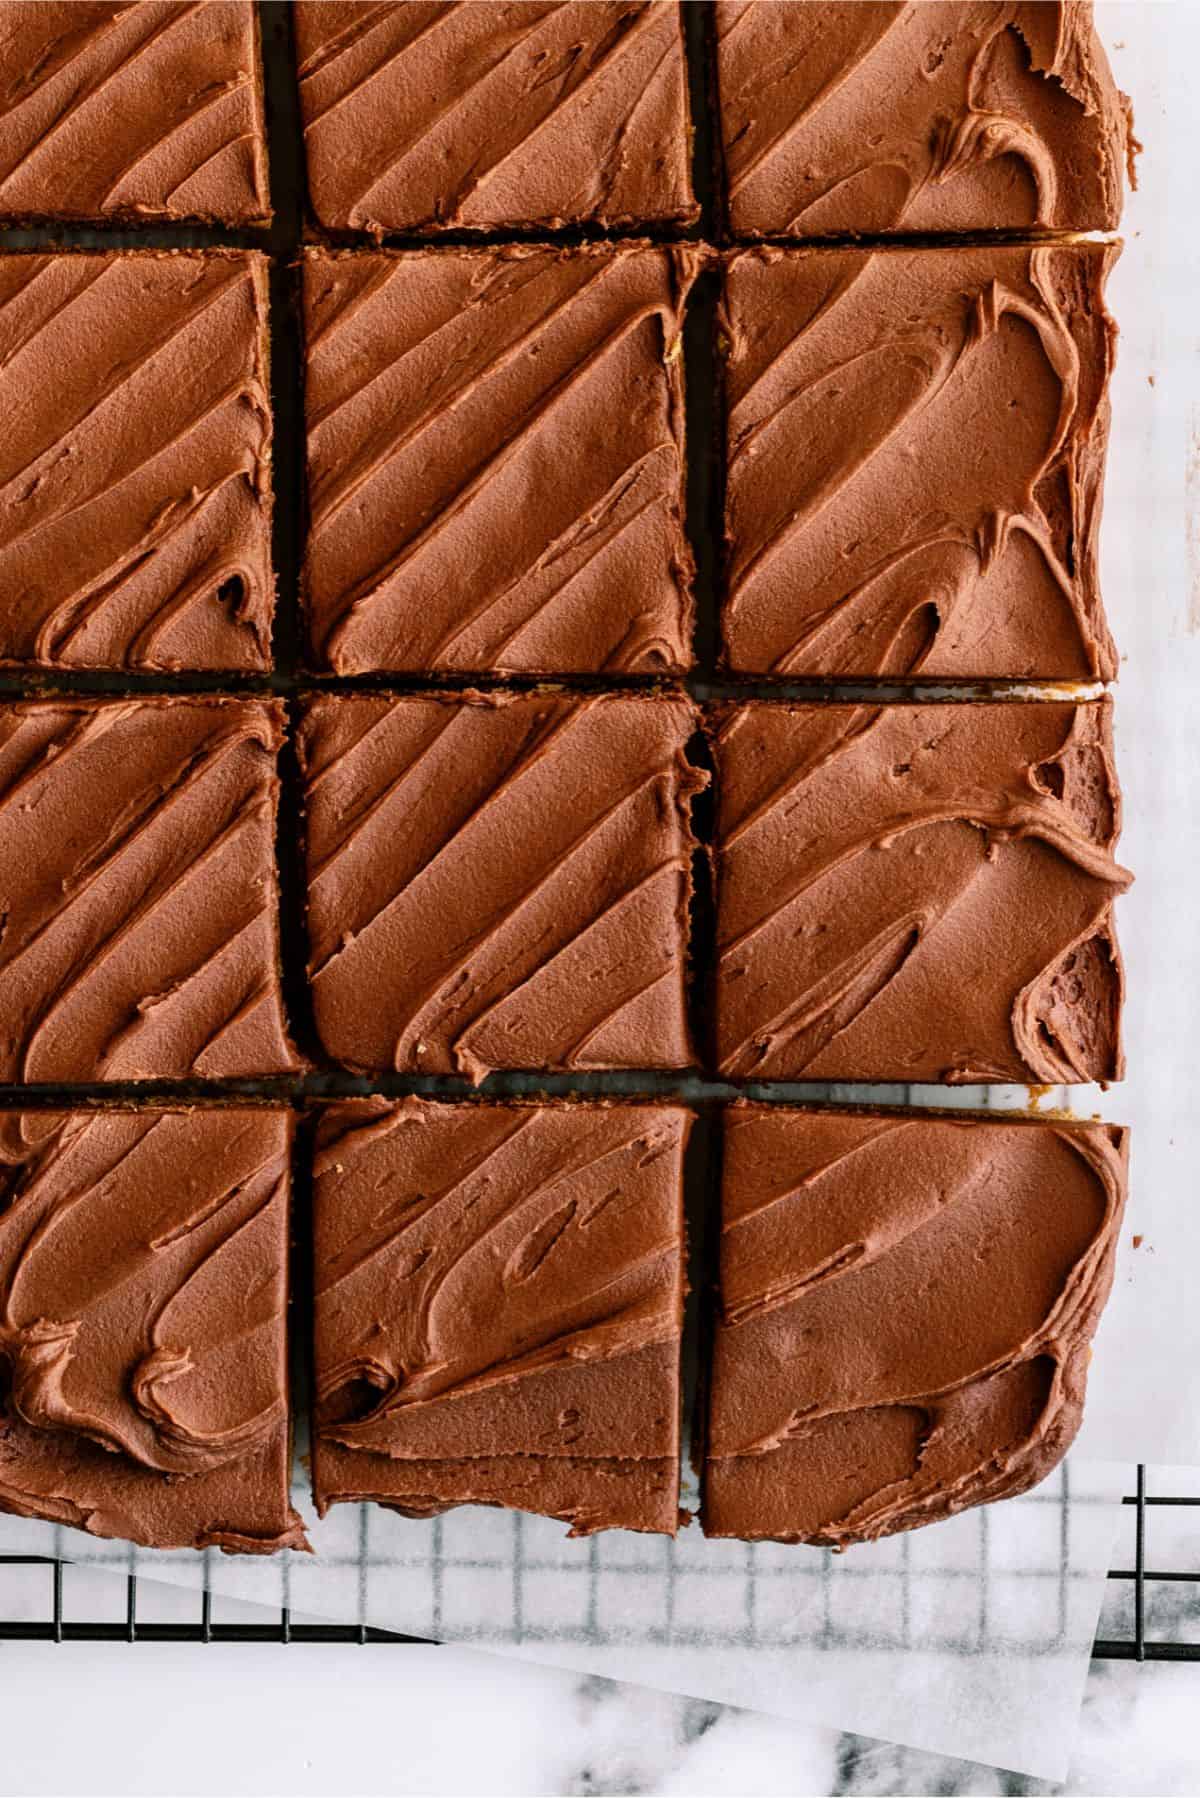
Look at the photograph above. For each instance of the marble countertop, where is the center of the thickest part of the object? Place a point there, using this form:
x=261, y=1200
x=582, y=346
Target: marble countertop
x=233, y=1719
x=186, y=1720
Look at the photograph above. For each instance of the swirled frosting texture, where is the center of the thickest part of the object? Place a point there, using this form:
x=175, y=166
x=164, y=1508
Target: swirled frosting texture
x=499, y=1302
x=135, y=464
x=918, y=893
x=907, y=1307
x=864, y=118
x=499, y=881
x=150, y=112
x=143, y=1365
x=495, y=116
x=474, y=502
x=139, y=935
x=916, y=444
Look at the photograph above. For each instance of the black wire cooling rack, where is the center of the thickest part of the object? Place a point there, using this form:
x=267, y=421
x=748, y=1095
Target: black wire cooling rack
x=1139, y=1640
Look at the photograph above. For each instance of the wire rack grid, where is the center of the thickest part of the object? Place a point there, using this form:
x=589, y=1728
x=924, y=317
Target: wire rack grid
x=51, y=1617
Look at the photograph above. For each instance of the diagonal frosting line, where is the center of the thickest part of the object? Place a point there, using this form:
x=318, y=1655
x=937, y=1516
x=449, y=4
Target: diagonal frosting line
x=397, y=434
x=91, y=89
x=356, y=199
x=160, y=803
x=354, y=35
x=848, y=71
x=509, y=914
x=201, y=103
x=640, y=981
x=368, y=589
x=569, y=94
x=529, y=754
x=593, y=524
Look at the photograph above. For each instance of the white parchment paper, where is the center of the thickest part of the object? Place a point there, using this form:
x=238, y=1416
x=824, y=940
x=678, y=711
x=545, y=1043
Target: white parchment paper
x=970, y=1638
x=1145, y=1396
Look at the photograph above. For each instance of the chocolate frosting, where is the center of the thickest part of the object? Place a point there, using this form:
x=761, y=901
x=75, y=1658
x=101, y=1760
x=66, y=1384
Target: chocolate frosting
x=499, y=880
x=473, y=503
x=499, y=1303
x=941, y=116
x=496, y=116
x=982, y=1253
x=143, y=1364
x=861, y=539
x=147, y=112
x=138, y=891
x=135, y=465
x=918, y=893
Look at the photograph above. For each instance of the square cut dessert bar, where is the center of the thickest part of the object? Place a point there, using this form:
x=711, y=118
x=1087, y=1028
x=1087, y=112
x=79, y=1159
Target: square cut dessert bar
x=495, y=460
x=150, y=113
x=499, y=880
x=916, y=443
x=498, y=1308
x=138, y=891
x=135, y=467
x=143, y=1355
x=858, y=119
x=496, y=115
x=907, y=1306
x=917, y=893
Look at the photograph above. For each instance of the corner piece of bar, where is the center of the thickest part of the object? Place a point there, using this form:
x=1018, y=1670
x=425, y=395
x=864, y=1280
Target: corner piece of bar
x=911, y=892
x=143, y=1354
x=907, y=1305
x=499, y=1303
x=144, y=114
x=500, y=880
x=862, y=119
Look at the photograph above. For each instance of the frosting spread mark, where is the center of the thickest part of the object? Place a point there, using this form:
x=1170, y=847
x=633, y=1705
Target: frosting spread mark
x=918, y=893
x=146, y=112
x=499, y=1297
x=499, y=881
x=427, y=117
x=141, y=937
x=142, y=1324
x=983, y=1297
x=135, y=474
x=860, y=538
x=471, y=506
x=868, y=118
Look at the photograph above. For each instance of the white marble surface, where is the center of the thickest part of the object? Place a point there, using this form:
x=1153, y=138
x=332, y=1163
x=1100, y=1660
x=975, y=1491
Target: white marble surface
x=343, y=1721
x=231, y=1721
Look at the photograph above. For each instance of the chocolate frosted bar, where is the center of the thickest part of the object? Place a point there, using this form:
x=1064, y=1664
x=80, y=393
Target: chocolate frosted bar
x=494, y=116
x=907, y=1304
x=916, y=444
x=499, y=881
x=135, y=461
x=142, y=114
x=138, y=891
x=845, y=119
x=143, y=1288
x=917, y=893
x=495, y=460
x=499, y=1301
